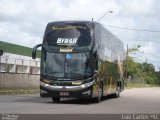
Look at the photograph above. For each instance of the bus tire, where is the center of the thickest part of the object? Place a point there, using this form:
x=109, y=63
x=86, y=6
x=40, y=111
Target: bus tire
x=55, y=99
x=117, y=93
x=100, y=93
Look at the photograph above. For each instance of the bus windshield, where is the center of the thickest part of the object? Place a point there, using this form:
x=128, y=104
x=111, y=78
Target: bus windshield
x=68, y=65
x=68, y=35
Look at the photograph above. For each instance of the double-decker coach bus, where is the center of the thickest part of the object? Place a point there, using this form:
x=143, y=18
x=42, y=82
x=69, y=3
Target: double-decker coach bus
x=80, y=59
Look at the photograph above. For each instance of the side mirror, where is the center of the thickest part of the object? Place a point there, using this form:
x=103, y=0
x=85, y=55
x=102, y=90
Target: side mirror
x=34, y=50
x=1, y=52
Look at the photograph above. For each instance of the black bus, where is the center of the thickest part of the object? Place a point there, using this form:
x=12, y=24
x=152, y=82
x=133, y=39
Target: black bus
x=80, y=59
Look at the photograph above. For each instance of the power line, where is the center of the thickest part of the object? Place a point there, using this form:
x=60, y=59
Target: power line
x=132, y=28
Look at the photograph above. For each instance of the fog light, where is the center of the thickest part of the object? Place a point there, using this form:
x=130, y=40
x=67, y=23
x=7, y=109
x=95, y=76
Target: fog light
x=46, y=81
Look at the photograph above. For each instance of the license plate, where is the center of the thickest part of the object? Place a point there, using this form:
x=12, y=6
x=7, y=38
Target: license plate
x=64, y=93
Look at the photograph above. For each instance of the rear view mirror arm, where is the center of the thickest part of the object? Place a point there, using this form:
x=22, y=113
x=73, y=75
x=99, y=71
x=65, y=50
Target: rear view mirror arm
x=34, y=50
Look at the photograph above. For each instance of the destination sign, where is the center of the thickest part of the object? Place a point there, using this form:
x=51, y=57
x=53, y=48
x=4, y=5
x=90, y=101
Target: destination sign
x=68, y=27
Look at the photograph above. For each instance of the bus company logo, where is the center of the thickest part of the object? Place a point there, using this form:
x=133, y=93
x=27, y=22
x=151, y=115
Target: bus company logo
x=66, y=41
x=64, y=87
x=66, y=50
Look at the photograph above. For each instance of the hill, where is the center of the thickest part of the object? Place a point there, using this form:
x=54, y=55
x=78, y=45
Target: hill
x=17, y=49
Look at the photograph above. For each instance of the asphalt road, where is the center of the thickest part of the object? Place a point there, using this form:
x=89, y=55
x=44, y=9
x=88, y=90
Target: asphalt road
x=136, y=100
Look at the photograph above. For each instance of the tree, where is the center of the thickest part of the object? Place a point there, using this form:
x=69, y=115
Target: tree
x=139, y=72
x=149, y=70
x=130, y=65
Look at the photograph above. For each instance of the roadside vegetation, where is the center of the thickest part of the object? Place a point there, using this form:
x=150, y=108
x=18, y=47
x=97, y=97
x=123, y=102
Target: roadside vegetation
x=16, y=91
x=140, y=74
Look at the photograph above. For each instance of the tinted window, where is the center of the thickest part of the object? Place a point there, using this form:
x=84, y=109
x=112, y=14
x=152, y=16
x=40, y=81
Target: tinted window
x=68, y=65
x=68, y=35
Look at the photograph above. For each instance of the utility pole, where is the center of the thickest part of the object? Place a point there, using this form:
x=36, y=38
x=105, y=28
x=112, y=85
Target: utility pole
x=145, y=70
x=104, y=15
x=126, y=62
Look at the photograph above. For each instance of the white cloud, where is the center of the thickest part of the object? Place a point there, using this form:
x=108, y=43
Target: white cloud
x=11, y=33
x=138, y=7
x=11, y=7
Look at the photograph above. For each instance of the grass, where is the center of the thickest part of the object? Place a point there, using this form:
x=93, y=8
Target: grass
x=17, y=49
x=16, y=91
x=133, y=85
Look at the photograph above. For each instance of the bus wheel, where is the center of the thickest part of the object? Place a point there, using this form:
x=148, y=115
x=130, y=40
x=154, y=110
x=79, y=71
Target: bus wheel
x=56, y=99
x=117, y=94
x=98, y=98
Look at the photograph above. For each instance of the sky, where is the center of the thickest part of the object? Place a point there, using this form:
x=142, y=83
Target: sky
x=23, y=21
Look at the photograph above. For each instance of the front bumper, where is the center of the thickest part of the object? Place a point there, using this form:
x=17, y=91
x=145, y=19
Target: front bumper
x=79, y=91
